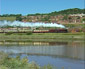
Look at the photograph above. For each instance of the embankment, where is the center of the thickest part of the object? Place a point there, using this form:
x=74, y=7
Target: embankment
x=42, y=37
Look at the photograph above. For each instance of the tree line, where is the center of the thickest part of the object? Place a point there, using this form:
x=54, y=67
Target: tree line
x=55, y=13
x=62, y=12
x=66, y=11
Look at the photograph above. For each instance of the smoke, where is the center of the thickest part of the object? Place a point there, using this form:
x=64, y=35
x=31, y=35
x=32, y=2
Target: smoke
x=29, y=24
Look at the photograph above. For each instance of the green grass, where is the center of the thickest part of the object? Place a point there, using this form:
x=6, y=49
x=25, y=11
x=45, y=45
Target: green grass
x=8, y=18
x=42, y=37
x=73, y=25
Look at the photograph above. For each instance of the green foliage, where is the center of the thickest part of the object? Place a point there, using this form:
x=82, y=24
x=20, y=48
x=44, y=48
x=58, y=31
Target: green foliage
x=7, y=27
x=65, y=17
x=72, y=11
x=53, y=13
x=47, y=67
x=83, y=19
x=29, y=33
x=3, y=56
x=8, y=18
x=8, y=33
x=45, y=18
x=17, y=63
x=3, y=67
x=68, y=11
x=74, y=25
x=18, y=17
x=14, y=63
x=11, y=17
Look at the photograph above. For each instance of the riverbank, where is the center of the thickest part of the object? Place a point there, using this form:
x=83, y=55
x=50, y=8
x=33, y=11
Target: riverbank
x=46, y=37
x=18, y=63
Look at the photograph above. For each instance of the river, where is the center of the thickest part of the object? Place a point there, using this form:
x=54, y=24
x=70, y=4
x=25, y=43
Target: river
x=69, y=55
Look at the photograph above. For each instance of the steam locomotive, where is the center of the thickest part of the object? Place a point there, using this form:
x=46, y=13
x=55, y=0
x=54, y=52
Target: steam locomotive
x=51, y=31
x=20, y=30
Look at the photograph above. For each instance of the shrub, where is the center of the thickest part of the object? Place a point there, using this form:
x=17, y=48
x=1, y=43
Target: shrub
x=18, y=63
x=8, y=33
x=29, y=33
x=3, y=56
x=47, y=67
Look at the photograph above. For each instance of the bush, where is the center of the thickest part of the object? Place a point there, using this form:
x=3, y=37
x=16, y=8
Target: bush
x=3, y=56
x=18, y=63
x=8, y=33
x=29, y=33
x=3, y=67
x=47, y=67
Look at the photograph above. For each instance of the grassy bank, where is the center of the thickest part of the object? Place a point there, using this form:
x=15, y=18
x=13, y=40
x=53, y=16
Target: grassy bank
x=17, y=63
x=74, y=25
x=42, y=37
x=8, y=18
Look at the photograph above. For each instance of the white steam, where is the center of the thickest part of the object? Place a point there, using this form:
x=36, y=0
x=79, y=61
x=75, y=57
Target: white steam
x=29, y=24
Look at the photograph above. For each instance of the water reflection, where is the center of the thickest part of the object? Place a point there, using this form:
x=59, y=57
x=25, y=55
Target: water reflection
x=59, y=49
x=63, y=53
x=32, y=43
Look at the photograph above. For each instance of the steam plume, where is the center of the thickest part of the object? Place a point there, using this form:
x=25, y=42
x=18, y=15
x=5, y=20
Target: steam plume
x=29, y=24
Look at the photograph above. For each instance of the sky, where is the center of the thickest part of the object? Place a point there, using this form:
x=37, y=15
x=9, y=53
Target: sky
x=25, y=7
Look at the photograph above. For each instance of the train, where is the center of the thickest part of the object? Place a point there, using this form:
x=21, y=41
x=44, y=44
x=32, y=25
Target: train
x=25, y=30
x=51, y=31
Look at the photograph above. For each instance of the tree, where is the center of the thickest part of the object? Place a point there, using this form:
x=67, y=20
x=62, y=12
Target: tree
x=18, y=17
x=83, y=20
x=65, y=17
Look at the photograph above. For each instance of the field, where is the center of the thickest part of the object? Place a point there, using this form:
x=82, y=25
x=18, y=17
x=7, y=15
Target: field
x=42, y=36
x=8, y=18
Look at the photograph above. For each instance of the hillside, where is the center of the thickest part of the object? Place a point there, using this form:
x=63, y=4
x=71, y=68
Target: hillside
x=66, y=11
x=69, y=11
x=63, y=16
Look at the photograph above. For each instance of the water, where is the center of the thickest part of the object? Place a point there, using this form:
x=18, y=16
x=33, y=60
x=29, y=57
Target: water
x=69, y=55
